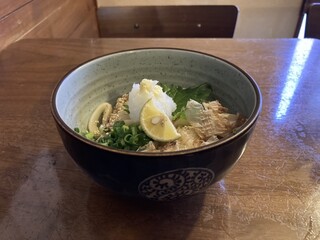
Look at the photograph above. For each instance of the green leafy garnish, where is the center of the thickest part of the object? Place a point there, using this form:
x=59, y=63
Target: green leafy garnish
x=122, y=136
x=86, y=134
x=181, y=96
x=126, y=137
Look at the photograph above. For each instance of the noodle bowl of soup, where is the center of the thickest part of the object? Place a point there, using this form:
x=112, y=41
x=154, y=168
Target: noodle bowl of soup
x=156, y=123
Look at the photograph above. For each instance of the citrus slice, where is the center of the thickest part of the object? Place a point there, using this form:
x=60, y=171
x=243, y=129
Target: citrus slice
x=156, y=124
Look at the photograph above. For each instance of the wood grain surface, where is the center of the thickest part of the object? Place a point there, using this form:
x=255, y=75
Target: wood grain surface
x=46, y=19
x=272, y=193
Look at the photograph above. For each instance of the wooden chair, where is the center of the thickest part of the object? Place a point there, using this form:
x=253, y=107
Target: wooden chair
x=313, y=21
x=168, y=21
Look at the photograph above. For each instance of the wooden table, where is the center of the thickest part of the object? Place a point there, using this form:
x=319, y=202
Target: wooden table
x=272, y=193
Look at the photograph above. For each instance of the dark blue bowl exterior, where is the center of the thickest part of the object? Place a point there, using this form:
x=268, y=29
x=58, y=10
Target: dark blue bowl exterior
x=155, y=177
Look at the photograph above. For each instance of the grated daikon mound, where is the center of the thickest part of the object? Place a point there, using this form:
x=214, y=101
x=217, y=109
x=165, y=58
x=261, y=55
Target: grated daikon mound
x=141, y=93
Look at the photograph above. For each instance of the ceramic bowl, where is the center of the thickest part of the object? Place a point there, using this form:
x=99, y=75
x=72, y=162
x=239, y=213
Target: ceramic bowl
x=156, y=176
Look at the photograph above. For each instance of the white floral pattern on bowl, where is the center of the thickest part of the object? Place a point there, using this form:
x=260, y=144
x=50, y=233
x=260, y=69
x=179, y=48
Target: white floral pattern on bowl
x=176, y=183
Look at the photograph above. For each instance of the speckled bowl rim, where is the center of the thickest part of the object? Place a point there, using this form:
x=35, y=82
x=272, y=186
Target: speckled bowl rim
x=242, y=130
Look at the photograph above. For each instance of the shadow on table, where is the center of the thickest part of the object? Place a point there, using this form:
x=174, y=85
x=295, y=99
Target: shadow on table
x=118, y=217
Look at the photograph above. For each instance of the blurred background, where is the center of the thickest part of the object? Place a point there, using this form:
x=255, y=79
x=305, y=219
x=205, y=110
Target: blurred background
x=256, y=19
x=72, y=19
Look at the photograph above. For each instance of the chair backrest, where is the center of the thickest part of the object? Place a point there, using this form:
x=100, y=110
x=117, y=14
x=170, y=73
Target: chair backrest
x=215, y=21
x=313, y=21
